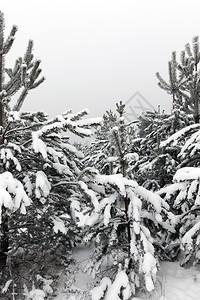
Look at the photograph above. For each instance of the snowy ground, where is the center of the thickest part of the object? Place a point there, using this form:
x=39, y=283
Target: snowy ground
x=175, y=282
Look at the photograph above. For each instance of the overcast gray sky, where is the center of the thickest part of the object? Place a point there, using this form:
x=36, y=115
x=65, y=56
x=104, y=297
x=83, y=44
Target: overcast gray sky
x=95, y=53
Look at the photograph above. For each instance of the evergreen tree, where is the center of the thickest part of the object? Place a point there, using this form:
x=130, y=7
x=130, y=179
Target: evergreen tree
x=38, y=172
x=156, y=165
x=184, y=84
x=23, y=76
x=176, y=82
x=46, y=165
x=128, y=225
x=122, y=218
x=183, y=194
x=186, y=144
x=97, y=153
x=183, y=197
x=111, y=151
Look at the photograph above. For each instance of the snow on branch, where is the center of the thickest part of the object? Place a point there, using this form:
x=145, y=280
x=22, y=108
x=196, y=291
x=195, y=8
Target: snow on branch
x=149, y=268
x=38, y=145
x=7, y=156
x=70, y=122
x=89, y=122
x=154, y=199
x=192, y=145
x=77, y=115
x=99, y=292
x=188, y=238
x=12, y=194
x=42, y=185
x=59, y=225
x=120, y=286
x=72, y=150
x=90, y=193
x=187, y=173
x=174, y=138
x=115, y=180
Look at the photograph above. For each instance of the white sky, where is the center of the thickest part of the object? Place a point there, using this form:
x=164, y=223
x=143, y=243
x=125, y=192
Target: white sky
x=97, y=52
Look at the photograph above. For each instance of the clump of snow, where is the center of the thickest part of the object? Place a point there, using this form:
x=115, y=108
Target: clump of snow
x=115, y=180
x=6, y=286
x=36, y=294
x=149, y=268
x=42, y=185
x=115, y=129
x=59, y=225
x=98, y=292
x=7, y=156
x=87, y=122
x=119, y=286
x=13, y=116
x=28, y=185
x=92, y=219
x=38, y=145
x=12, y=194
x=107, y=214
x=187, y=173
x=129, y=157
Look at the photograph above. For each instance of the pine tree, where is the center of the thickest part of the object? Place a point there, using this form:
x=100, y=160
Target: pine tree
x=183, y=194
x=128, y=225
x=176, y=82
x=121, y=218
x=38, y=173
x=22, y=77
x=184, y=84
x=157, y=165
x=183, y=197
x=99, y=151
x=186, y=143
x=43, y=166
x=111, y=151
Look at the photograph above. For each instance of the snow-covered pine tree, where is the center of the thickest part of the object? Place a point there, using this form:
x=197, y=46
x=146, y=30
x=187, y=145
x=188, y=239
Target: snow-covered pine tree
x=38, y=171
x=184, y=82
x=23, y=76
x=128, y=225
x=175, y=87
x=186, y=144
x=111, y=151
x=156, y=166
x=97, y=153
x=183, y=194
x=126, y=222
x=47, y=164
x=183, y=197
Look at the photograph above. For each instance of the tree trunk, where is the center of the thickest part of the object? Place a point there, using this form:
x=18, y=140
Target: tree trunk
x=1, y=85
x=126, y=203
x=196, y=113
x=4, y=243
x=173, y=101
